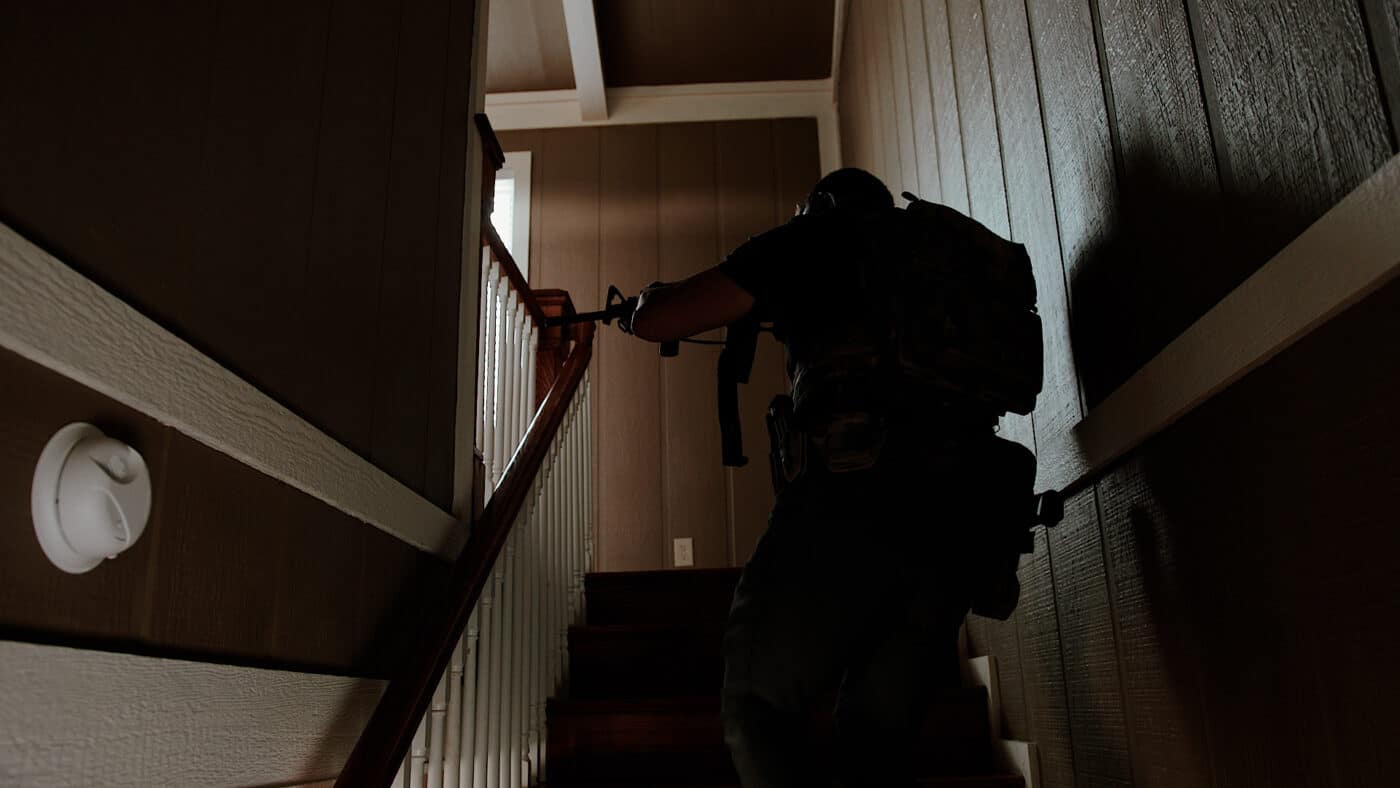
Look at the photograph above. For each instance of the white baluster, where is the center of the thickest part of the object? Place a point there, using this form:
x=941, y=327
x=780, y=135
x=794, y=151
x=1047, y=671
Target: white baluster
x=485, y=668
x=483, y=309
x=504, y=437
x=522, y=391
x=532, y=684
x=418, y=754
x=437, y=724
x=500, y=741
x=452, y=747
x=521, y=331
x=588, y=488
x=467, y=757
x=556, y=560
x=532, y=349
x=498, y=383
x=490, y=342
x=512, y=717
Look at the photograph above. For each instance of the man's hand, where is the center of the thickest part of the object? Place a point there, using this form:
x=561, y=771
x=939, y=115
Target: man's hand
x=707, y=300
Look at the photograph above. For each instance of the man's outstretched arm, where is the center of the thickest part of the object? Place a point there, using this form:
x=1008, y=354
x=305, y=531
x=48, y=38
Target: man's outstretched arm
x=709, y=299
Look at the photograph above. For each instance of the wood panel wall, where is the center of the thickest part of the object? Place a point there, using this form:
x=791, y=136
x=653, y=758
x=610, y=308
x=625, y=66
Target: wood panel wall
x=1218, y=609
x=280, y=185
x=629, y=205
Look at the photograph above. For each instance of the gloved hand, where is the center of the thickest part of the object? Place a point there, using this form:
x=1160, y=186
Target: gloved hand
x=626, y=310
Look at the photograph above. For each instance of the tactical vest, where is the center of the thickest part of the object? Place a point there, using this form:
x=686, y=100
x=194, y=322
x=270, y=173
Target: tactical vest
x=938, y=330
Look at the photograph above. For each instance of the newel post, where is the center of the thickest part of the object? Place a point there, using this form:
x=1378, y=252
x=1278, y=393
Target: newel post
x=554, y=342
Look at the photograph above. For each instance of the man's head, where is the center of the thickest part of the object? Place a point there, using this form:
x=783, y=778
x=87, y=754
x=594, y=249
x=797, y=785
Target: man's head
x=848, y=188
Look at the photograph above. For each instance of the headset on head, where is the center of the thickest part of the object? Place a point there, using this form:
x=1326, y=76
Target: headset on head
x=817, y=203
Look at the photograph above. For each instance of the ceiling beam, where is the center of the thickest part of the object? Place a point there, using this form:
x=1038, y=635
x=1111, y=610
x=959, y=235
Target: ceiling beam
x=582, y=28
x=547, y=109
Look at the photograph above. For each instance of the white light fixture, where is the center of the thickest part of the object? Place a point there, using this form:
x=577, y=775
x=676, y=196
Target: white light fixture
x=91, y=498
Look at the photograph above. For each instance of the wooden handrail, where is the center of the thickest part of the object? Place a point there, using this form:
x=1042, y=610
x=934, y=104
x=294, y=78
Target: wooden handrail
x=380, y=750
x=499, y=252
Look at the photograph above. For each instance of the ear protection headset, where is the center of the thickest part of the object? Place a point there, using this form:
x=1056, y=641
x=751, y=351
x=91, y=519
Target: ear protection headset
x=817, y=203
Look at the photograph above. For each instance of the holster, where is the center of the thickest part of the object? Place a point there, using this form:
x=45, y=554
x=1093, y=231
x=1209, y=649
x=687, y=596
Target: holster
x=787, y=445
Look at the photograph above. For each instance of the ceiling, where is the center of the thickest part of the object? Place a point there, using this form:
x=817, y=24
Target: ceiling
x=662, y=42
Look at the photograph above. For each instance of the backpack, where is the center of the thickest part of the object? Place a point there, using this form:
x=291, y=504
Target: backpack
x=963, y=313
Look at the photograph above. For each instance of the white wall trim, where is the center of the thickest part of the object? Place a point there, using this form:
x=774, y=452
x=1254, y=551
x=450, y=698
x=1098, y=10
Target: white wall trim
x=715, y=101
x=74, y=717
x=1346, y=255
x=582, y=28
x=53, y=316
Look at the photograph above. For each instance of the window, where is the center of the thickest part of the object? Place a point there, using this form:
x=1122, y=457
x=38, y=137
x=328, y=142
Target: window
x=510, y=213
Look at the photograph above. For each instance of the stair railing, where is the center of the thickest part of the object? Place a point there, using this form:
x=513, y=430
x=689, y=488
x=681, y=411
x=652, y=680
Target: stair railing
x=467, y=707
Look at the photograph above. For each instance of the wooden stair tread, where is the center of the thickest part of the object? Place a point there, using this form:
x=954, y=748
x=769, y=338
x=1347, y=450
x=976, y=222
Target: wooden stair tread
x=644, y=694
x=970, y=781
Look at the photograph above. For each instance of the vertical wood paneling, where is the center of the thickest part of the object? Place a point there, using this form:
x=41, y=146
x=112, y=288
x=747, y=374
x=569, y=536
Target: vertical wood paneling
x=951, y=167
x=921, y=102
x=79, y=194
x=1088, y=643
x=977, y=115
x=1043, y=669
x=796, y=163
x=256, y=199
x=1300, y=109
x=629, y=413
x=885, y=92
x=848, y=114
x=347, y=222
x=869, y=104
x=399, y=437
x=455, y=255
x=1031, y=206
x=1077, y=131
x=746, y=208
x=1383, y=21
x=569, y=179
x=908, y=156
x=879, y=153
x=697, y=503
x=1159, y=646
x=986, y=183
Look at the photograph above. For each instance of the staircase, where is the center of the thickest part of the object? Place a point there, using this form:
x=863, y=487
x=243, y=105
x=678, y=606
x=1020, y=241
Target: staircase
x=642, y=705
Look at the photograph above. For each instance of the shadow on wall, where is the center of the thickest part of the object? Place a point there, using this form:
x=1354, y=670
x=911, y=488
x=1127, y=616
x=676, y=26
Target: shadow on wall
x=1251, y=546
x=1178, y=247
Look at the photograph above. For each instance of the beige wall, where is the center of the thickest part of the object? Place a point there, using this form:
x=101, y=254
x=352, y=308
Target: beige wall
x=629, y=205
x=1198, y=619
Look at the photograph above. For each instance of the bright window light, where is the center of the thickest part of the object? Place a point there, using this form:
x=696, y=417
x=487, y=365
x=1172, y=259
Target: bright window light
x=503, y=211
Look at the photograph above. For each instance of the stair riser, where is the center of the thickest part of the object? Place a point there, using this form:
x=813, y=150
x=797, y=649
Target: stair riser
x=656, y=744
x=700, y=597
x=605, y=664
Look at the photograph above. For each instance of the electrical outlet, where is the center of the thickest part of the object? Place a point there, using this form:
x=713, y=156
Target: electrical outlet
x=683, y=550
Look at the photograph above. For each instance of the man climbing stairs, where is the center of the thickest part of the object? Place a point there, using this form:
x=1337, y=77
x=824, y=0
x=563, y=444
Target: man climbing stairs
x=643, y=696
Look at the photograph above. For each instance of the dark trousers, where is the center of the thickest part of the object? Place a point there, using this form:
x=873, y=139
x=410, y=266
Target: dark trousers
x=853, y=590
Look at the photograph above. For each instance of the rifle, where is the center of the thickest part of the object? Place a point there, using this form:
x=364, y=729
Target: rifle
x=735, y=362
